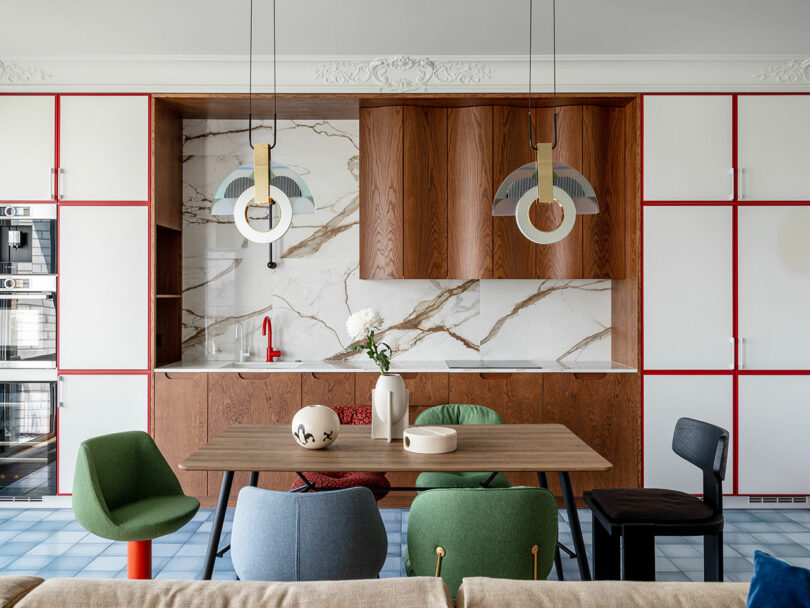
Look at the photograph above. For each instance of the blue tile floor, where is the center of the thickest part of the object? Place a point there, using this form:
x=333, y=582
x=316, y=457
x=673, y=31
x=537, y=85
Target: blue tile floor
x=50, y=542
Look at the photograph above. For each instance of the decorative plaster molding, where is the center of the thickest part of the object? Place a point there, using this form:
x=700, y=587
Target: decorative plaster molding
x=14, y=72
x=794, y=71
x=402, y=73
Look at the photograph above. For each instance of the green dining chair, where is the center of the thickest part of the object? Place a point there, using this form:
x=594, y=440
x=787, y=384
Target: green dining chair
x=494, y=532
x=456, y=413
x=123, y=489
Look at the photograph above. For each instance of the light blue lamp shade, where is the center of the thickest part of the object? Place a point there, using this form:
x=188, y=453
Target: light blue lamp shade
x=567, y=178
x=281, y=176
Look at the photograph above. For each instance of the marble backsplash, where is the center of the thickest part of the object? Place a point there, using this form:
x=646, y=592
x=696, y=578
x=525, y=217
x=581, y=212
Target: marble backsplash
x=316, y=284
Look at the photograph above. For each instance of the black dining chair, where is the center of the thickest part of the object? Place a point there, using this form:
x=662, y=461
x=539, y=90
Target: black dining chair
x=639, y=515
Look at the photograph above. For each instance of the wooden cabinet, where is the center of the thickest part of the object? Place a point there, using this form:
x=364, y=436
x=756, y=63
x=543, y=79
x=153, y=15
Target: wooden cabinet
x=180, y=424
x=327, y=389
x=92, y=405
x=688, y=148
x=254, y=398
x=772, y=150
x=104, y=147
x=604, y=411
x=774, y=415
x=103, y=287
x=688, y=287
x=27, y=147
x=774, y=287
x=668, y=398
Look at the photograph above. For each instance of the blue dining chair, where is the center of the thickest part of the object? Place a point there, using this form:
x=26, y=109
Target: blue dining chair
x=283, y=536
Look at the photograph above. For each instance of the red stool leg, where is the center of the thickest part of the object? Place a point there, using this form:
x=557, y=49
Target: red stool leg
x=139, y=559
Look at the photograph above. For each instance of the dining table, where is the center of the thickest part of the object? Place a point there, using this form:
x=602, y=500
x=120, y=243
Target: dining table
x=505, y=448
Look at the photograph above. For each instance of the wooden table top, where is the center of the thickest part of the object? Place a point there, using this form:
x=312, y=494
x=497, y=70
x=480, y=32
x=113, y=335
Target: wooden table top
x=503, y=447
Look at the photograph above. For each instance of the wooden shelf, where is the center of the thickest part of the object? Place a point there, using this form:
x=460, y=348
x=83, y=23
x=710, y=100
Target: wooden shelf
x=169, y=295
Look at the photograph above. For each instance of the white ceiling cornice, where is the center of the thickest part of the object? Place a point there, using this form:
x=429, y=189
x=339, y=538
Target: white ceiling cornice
x=403, y=73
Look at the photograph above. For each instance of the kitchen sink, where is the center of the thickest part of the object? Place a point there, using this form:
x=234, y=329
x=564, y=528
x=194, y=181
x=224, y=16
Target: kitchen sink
x=266, y=365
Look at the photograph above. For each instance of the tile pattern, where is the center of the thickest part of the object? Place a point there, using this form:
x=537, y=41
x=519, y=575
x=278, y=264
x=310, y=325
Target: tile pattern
x=51, y=543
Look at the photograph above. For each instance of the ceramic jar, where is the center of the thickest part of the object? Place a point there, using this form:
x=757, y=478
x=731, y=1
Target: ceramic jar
x=315, y=426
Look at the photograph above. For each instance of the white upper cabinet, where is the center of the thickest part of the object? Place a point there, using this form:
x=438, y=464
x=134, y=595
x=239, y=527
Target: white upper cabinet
x=688, y=148
x=774, y=147
x=103, y=287
x=688, y=307
x=104, y=148
x=27, y=147
x=774, y=287
x=774, y=415
x=667, y=398
x=93, y=405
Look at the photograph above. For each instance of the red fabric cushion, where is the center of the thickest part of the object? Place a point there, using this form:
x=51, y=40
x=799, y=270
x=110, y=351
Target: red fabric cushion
x=346, y=480
x=353, y=414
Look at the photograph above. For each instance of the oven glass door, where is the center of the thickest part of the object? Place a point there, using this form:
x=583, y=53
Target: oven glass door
x=27, y=439
x=27, y=329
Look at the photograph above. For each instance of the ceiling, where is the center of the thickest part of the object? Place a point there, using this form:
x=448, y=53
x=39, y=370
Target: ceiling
x=416, y=27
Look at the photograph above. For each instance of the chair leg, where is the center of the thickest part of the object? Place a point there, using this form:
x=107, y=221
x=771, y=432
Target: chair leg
x=606, y=553
x=638, y=554
x=713, y=558
x=542, y=479
x=139, y=559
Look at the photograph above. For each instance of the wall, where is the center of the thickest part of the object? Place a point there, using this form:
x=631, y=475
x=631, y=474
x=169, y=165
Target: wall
x=316, y=286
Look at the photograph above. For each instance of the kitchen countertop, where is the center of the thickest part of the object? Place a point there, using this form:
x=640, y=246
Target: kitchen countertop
x=594, y=367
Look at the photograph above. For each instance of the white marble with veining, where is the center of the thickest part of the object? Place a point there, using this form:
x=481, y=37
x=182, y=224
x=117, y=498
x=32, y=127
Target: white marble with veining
x=316, y=285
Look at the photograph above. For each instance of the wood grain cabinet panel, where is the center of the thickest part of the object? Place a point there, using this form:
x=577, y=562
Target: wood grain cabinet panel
x=425, y=192
x=255, y=398
x=180, y=424
x=604, y=411
x=469, y=193
x=327, y=389
x=381, y=193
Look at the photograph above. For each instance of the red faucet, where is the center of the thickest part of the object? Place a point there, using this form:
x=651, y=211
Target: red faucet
x=267, y=330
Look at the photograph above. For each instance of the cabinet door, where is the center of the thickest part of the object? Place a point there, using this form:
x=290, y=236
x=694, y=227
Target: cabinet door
x=181, y=424
x=27, y=147
x=774, y=287
x=774, y=415
x=93, y=405
x=688, y=288
x=327, y=389
x=103, y=287
x=688, y=148
x=104, y=147
x=772, y=136
x=668, y=398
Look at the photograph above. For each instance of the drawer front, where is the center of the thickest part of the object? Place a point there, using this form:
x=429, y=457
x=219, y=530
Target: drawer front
x=327, y=389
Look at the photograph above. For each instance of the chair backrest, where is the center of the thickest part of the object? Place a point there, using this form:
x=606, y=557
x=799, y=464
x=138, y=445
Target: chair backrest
x=116, y=470
x=353, y=414
x=458, y=413
x=705, y=446
x=483, y=532
x=282, y=536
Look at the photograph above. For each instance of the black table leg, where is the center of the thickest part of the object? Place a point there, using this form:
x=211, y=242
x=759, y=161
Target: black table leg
x=254, y=479
x=573, y=522
x=216, y=529
x=543, y=481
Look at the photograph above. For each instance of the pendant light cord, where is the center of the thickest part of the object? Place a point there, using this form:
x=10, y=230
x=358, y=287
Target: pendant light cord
x=250, y=81
x=554, y=70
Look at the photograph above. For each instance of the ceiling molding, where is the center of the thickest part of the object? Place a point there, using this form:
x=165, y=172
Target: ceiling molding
x=403, y=73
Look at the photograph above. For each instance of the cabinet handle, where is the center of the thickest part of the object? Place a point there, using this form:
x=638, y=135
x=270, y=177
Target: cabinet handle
x=496, y=376
x=740, y=184
x=589, y=376
x=742, y=353
x=731, y=196
x=409, y=376
x=253, y=376
x=733, y=343
x=60, y=173
x=59, y=391
x=53, y=177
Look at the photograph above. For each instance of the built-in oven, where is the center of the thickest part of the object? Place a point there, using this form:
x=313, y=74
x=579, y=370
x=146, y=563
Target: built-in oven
x=27, y=321
x=27, y=434
x=28, y=239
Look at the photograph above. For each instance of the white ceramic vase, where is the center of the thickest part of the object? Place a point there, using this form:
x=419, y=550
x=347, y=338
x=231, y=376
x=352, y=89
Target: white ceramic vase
x=315, y=426
x=389, y=412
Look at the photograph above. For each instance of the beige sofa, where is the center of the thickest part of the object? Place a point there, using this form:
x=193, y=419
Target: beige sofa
x=419, y=592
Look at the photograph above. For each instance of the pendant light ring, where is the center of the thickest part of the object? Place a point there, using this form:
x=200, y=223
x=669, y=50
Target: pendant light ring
x=263, y=236
x=544, y=237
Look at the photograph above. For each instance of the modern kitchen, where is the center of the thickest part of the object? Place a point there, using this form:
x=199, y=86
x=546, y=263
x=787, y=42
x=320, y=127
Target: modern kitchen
x=601, y=239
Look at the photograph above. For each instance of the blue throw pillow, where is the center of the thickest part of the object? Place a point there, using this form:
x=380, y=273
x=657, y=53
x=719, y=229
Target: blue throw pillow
x=777, y=584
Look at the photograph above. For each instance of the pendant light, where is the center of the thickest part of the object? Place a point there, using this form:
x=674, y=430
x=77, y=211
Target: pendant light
x=263, y=182
x=544, y=181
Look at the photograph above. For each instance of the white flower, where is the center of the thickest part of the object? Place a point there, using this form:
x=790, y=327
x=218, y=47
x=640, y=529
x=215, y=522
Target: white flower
x=363, y=322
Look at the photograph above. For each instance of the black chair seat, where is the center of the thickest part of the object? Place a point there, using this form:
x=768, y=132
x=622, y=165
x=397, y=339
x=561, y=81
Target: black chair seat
x=648, y=505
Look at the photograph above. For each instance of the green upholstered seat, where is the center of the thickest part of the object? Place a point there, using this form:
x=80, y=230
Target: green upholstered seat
x=483, y=531
x=457, y=413
x=123, y=489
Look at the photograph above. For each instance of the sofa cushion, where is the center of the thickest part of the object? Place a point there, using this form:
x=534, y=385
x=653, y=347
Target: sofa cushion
x=423, y=592
x=14, y=588
x=650, y=505
x=501, y=593
x=777, y=584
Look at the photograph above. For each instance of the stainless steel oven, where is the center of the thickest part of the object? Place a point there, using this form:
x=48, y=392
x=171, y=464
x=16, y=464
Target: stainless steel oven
x=27, y=434
x=28, y=239
x=27, y=321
